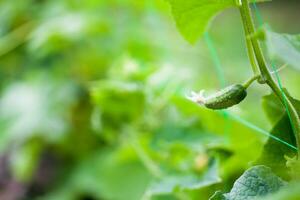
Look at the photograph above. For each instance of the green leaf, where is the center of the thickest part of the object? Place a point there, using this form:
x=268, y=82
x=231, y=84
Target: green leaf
x=290, y=192
x=272, y=107
x=171, y=183
x=193, y=16
x=284, y=47
x=274, y=151
x=255, y=182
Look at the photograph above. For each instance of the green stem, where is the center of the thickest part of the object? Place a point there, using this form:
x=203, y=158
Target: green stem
x=250, y=81
x=264, y=71
x=250, y=52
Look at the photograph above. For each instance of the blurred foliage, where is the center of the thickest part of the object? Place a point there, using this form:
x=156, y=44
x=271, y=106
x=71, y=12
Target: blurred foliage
x=93, y=104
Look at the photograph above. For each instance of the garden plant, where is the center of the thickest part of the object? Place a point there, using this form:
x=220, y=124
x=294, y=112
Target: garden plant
x=192, y=18
x=149, y=100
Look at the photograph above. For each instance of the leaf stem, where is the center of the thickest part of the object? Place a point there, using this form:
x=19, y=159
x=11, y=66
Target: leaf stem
x=265, y=74
x=250, y=81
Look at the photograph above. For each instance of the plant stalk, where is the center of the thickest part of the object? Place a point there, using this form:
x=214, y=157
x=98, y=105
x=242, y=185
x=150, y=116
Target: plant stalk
x=250, y=52
x=250, y=81
x=266, y=76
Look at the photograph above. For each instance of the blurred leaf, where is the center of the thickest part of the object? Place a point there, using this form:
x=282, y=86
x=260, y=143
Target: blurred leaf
x=57, y=33
x=119, y=102
x=26, y=109
x=180, y=143
x=129, y=69
x=105, y=174
x=284, y=47
x=192, y=17
x=238, y=138
x=255, y=182
x=25, y=159
x=185, y=130
x=15, y=38
x=177, y=182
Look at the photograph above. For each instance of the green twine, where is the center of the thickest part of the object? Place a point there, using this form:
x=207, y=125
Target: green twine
x=259, y=130
x=220, y=74
x=215, y=58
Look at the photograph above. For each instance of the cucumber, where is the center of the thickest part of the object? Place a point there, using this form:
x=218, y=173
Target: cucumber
x=226, y=98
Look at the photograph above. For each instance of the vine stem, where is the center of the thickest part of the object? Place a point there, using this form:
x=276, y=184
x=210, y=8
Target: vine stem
x=256, y=56
x=250, y=81
x=250, y=52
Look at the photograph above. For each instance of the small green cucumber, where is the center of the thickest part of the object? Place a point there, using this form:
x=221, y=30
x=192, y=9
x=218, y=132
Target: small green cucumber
x=226, y=98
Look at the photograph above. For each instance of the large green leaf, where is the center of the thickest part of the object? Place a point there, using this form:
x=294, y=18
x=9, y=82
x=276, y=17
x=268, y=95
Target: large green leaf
x=255, y=182
x=193, y=16
x=274, y=150
x=284, y=47
x=274, y=109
